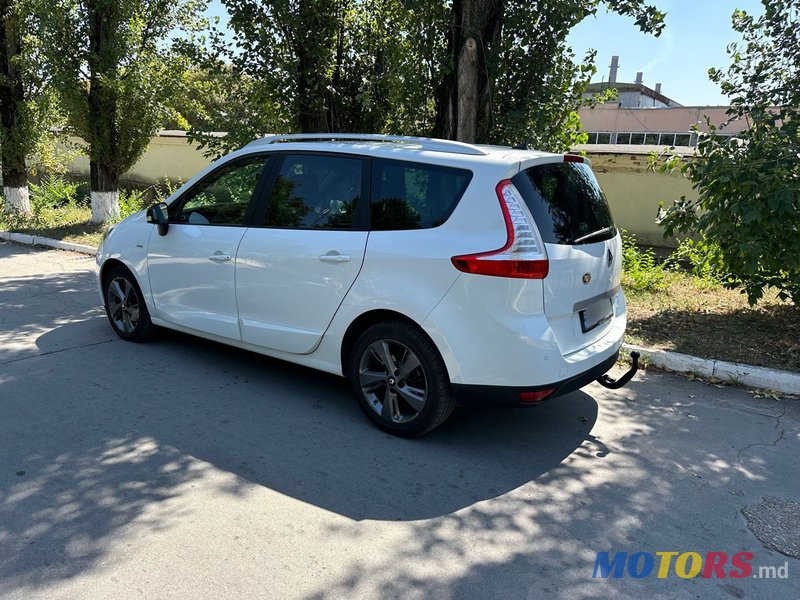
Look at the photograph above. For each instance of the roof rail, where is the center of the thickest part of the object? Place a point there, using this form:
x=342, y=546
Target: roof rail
x=432, y=144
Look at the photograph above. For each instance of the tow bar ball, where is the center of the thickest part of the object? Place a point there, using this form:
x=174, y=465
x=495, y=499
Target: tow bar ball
x=615, y=384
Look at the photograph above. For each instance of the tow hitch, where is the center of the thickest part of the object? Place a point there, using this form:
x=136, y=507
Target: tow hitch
x=615, y=384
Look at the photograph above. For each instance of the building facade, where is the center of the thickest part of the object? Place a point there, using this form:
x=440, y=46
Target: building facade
x=644, y=116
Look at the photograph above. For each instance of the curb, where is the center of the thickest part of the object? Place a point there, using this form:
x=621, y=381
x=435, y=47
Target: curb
x=757, y=377
x=38, y=240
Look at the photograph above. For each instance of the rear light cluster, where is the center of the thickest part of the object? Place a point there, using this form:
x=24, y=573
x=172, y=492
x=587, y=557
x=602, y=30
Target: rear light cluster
x=523, y=255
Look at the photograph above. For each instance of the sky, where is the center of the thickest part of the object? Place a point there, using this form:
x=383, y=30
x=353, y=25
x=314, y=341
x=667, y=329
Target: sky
x=696, y=35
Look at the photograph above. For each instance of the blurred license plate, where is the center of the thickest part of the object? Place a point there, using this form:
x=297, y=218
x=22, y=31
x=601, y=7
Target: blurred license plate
x=595, y=315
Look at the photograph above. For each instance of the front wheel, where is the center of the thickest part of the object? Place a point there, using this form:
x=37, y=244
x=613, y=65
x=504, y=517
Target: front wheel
x=125, y=306
x=400, y=379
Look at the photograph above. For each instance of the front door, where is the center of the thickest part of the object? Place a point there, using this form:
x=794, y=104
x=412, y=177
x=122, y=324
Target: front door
x=294, y=270
x=191, y=268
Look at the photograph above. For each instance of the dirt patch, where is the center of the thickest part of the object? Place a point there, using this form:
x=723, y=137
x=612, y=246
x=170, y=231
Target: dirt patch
x=706, y=320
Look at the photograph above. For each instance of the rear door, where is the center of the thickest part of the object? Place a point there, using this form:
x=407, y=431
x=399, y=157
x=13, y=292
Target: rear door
x=297, y=263
x=583, y=248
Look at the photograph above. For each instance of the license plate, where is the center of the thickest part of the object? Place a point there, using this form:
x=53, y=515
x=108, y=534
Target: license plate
x=595, y=315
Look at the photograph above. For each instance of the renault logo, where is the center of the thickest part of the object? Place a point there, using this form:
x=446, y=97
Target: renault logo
x=587, y=278
x=609, y=258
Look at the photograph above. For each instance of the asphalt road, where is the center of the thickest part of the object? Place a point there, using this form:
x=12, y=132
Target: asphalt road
x=186, y=469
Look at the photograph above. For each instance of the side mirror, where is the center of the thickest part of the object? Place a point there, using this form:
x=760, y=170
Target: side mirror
x=158, y=214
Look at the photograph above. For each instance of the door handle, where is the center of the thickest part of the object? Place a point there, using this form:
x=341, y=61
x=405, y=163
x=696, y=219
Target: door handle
x=219, y=257
x=334, y=258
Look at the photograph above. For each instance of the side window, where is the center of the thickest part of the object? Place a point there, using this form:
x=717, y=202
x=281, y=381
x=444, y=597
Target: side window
x=408, y=195
x=314, y=191
x=223, y=197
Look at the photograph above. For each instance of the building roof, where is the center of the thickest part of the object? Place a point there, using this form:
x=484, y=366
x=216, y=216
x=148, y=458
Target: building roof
x=596, y=88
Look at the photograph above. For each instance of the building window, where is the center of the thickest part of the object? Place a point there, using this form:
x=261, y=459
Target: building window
x=653, y=138
x=637, y=139
x=604, y=138
x=599, y=137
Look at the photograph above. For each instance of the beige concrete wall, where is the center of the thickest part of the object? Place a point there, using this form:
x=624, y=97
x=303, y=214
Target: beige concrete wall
x=168, y=157
x=632, y=190
x=634, y=193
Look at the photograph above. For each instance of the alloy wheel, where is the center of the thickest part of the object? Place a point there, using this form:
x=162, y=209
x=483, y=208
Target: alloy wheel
x=393, y=381
x=123, y=305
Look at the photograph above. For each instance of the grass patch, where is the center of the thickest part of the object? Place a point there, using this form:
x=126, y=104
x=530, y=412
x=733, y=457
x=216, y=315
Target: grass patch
x=696, y=316
x=60, y=209
x=67, y=223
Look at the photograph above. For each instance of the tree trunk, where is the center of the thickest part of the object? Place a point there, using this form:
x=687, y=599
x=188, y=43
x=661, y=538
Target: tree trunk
x=103, y=142
x=311, y=95
x=464, y=104
x=332, y=100
x=15, y=189
x=12, y=96
x=104, y=186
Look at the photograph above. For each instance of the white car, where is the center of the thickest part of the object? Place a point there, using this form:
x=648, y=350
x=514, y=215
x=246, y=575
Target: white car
x=430, y=273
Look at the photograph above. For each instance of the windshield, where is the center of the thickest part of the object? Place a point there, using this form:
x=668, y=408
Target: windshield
x=566, y=202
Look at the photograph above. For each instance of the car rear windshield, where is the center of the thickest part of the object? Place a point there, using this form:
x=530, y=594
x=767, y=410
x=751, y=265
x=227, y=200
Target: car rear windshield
x=566, y=202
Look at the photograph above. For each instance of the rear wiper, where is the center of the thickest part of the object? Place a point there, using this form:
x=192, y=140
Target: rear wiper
x=596, y=234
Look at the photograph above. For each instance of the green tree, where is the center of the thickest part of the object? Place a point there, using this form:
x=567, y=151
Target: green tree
x=748, y=207
x=115, y=74
x=474, y=70
x=24, y=101
x=314, y=66
x=509, y=76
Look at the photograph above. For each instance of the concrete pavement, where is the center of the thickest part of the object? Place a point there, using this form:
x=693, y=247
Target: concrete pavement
x=184, y=468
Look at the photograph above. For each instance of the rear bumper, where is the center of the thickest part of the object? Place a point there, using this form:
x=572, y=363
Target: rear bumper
x=496, y=396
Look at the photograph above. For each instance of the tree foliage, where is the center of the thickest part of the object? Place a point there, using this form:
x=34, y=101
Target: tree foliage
x=509, y=74
x=393, y=66
x=314, y=66
x=114, y=74
x=748, y=207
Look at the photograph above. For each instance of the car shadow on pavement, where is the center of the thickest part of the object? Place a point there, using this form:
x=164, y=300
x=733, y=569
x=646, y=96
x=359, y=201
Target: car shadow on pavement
x=300, y=432
x=113, y=433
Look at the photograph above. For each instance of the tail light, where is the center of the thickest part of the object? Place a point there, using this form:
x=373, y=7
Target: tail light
x=523, y=255
x=534, y=397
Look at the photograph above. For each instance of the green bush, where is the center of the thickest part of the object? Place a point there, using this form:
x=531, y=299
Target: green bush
x=52, y=192
x=640, y=270
x=748, y=187
x=131, y=201
x=701, y=258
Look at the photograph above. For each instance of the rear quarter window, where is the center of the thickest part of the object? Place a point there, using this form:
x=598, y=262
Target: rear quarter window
x=408, y=195
x=566, y=202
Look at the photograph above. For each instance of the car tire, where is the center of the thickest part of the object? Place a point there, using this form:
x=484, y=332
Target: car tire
x=400, y=379
x=125, y=306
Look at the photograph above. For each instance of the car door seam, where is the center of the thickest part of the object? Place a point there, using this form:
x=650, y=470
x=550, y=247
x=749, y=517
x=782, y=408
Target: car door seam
x=236, y=286
x=344, y=297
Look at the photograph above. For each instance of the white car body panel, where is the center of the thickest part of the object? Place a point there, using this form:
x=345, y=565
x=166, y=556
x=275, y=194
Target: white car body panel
x=191, y=282
x=290, y=283
x=564, y=287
